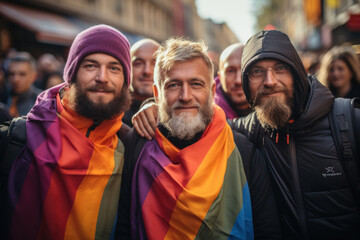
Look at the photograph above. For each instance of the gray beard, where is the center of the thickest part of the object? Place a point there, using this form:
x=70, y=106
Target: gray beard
x=185, y=126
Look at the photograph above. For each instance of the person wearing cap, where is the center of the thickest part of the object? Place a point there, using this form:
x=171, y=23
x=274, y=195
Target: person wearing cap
x=65, y=183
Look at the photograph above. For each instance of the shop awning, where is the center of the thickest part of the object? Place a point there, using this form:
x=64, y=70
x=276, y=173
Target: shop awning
x=48, y=27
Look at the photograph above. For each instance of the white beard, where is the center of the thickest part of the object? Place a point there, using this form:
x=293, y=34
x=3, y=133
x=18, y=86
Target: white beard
x=185, y=125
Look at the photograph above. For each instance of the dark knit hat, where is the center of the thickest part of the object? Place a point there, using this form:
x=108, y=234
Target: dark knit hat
x=98, y=39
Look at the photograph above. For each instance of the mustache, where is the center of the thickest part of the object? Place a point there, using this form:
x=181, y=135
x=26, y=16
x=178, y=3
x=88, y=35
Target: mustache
x=101, y=88
x=178, y=104
x=267, y=90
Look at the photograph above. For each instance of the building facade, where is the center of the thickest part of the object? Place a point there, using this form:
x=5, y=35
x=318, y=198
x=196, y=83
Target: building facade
x=51, y=25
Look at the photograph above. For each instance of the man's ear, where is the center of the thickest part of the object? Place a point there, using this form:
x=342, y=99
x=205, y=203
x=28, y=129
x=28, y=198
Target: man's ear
x=156, y=91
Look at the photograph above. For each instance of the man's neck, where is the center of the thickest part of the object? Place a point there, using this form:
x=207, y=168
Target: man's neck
x=179, y=143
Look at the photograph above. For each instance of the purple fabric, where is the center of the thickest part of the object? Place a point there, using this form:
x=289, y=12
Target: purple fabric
x=42, y=123
x=145, y=172
x=220, y=100
x=98, y=39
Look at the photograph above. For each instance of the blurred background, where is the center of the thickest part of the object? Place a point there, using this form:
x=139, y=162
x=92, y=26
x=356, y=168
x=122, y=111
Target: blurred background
x=49, y=26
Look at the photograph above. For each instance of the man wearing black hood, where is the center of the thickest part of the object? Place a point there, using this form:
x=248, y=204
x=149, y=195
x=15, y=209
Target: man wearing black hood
x=290, y=126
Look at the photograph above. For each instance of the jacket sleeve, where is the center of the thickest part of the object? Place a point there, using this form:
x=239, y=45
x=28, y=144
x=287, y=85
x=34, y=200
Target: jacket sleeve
x=123, y=226
x=249, y=126
x=266, y=219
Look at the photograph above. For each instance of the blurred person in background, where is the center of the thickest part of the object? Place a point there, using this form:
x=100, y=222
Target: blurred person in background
x=3, y=86
x=46, y=65
x=4, y=113
x=215, y=60
x=340, y=72
x=229, y=91
x=143, y=62
x=21, y=76
x=52, y=79
x=311, y=62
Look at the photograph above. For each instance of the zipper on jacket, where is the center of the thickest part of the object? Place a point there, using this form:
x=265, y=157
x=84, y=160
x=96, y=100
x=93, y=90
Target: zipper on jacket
x=298, y=194
x=92, y=127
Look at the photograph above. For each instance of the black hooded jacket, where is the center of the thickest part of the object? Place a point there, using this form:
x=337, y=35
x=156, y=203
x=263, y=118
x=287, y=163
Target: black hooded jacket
x=312, y=191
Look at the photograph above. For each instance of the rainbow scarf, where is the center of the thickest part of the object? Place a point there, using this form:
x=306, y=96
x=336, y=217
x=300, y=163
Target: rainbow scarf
x=199, y=192
x=65, y=185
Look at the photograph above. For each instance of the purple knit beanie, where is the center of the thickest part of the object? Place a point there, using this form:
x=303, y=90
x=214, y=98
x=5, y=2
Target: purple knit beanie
x=98, y=39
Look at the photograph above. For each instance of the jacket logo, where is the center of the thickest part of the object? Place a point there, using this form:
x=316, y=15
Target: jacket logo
x=330, y=172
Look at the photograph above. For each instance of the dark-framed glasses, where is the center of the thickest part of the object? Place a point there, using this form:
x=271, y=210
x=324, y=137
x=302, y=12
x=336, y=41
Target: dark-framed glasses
x=279, y=71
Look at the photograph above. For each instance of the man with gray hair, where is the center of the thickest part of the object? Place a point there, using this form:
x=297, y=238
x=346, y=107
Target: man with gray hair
x=189, y=182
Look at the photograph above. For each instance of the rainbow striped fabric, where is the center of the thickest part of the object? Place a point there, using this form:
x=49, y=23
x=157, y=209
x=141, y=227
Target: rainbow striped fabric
x=199, y=192
x=65, y=185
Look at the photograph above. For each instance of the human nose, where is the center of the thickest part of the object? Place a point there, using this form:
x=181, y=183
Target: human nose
x=148, y=69
x=102, y=74
x=269, y=77
x=238, y=78
x=185, y=94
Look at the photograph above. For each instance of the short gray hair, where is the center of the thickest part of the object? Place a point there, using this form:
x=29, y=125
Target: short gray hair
x=179, y=50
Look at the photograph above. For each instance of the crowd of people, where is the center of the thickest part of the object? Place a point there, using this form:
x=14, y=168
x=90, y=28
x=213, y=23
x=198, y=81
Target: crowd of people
x=143, y=142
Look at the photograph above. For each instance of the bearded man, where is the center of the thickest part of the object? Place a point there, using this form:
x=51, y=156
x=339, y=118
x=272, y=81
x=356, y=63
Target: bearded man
x=291, y=128
x=65, y=183
x=189, y=182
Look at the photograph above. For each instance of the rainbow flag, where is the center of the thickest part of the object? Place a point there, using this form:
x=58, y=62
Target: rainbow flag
x=199, y=192
x=65, y=185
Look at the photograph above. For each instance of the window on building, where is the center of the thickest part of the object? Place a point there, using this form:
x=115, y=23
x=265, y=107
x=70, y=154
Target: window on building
x=119, y=6
x=139, y=11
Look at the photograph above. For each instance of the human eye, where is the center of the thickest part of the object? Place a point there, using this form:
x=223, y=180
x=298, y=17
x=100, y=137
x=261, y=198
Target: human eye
x=172, y=85
x=281, y=68
x=89, y=66
x=197, y=84
x=115, y=68
x=230, y=70
x=256, y=72
x=137, y=63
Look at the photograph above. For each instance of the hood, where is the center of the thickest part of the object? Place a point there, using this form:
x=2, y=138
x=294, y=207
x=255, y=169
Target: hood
x=319, y=104
x=274, y=44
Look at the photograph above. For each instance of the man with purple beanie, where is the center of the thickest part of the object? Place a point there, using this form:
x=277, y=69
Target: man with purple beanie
x=65, y=182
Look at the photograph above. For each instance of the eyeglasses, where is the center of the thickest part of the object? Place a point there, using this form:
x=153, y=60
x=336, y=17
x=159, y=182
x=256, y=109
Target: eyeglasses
x=258, y=74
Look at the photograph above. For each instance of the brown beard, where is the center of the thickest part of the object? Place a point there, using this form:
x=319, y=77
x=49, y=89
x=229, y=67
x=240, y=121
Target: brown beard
x=273, y=112
x=100, y=111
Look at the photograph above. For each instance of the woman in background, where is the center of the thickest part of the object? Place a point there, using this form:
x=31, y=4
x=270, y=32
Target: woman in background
x=340, y=72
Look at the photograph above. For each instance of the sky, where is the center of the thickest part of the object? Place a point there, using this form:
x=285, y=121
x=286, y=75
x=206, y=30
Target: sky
x=236, y=13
